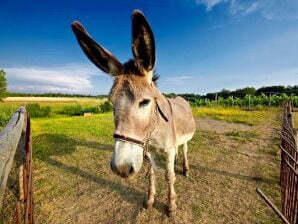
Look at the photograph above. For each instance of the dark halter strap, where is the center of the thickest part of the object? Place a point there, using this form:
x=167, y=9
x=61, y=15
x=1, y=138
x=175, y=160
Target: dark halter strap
x=129, y=139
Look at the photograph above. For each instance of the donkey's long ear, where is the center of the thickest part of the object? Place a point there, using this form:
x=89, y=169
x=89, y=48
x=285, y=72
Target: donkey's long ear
x=102, y=58
x=143, y=45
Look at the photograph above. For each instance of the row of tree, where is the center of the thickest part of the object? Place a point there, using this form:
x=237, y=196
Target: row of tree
x=241, y=93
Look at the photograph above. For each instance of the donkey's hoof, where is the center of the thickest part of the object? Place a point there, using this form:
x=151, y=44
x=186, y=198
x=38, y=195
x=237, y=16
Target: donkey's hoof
x=186, y=173
x=171, y=212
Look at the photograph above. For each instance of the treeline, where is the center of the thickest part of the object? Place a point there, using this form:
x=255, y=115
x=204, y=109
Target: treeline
x=238, y=93
x=241, y=93
x=53, y=95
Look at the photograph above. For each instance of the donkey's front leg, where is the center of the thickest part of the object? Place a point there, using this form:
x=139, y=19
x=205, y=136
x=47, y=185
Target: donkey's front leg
x=170, y=177
x=151, y=190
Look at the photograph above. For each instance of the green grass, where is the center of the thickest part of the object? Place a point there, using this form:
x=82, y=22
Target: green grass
x=235, y=114
x=56, y=140
x=7, y=108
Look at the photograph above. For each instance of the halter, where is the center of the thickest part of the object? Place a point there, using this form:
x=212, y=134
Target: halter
x=144, y=144
x=130, y=140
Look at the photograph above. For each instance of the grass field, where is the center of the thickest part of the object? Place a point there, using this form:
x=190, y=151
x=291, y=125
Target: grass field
x=233, y=152
x=10, y=104
x=56, y=103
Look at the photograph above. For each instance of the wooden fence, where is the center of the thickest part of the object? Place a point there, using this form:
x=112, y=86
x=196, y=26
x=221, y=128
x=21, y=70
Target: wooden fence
x=15, y=139
x=288, y=170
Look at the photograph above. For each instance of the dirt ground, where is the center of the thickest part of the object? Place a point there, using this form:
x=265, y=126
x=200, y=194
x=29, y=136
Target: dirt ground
x=244, y=158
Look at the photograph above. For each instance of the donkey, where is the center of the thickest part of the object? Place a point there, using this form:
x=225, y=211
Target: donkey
x=142, y=115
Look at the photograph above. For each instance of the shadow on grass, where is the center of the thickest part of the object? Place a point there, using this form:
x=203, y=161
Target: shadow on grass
x=48, y=145
x=127, y=193
x=234, y=175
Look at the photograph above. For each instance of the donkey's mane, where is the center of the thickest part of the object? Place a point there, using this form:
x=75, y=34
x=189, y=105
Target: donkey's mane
x=130, y=68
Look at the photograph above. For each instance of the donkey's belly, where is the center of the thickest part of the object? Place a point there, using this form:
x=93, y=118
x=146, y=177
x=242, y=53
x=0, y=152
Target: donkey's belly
x=161, y=142
x=183, y=139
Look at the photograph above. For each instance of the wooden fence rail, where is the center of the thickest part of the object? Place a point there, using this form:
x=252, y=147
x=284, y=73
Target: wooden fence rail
x=16, y=139
x=288, y=170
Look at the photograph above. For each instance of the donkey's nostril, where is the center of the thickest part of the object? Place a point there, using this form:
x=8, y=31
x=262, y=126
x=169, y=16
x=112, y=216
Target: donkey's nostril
x=131, y=170
x=123, y=171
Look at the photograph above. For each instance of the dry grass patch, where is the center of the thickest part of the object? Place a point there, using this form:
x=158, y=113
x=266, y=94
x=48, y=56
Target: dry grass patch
x=243, y=136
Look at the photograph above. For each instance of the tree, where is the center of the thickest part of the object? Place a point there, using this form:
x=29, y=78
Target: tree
x=272, y=89
x=3, y=84
x=224, y=93
x=241, y=93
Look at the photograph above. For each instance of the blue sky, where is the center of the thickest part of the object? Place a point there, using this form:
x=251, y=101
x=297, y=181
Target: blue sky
x=202, y=45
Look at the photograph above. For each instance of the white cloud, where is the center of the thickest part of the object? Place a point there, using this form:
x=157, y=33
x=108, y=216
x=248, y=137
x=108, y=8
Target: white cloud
x=279, y=10
x=269, y=9
x=209, y=3
x=252, y=8
x=67, y=78
x=235, y=7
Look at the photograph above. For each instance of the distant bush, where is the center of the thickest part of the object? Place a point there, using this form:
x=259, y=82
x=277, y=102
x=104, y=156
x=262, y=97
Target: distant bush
x=97, y=109
x=76, y=110
x=35, y=110
x=102, y=108
x=73, y=110
x=90, y=110
x=5, y=115
x=106, y=107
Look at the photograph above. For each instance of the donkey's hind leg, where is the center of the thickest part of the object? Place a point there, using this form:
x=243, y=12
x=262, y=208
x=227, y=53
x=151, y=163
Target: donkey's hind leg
x=170, y=177
x=185, y=160
x=176, y=154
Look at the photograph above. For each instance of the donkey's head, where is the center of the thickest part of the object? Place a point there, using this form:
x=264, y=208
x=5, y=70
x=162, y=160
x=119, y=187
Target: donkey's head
x=134, y=95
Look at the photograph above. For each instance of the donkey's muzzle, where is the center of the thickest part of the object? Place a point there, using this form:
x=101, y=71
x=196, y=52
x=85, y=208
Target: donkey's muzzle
x=127, y=158
x=124, y=171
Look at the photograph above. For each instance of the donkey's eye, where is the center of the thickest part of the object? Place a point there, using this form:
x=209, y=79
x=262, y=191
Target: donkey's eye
x=144, y=103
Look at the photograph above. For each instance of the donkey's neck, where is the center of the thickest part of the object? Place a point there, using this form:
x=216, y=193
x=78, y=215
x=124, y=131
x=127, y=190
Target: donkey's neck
x=163, y=136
